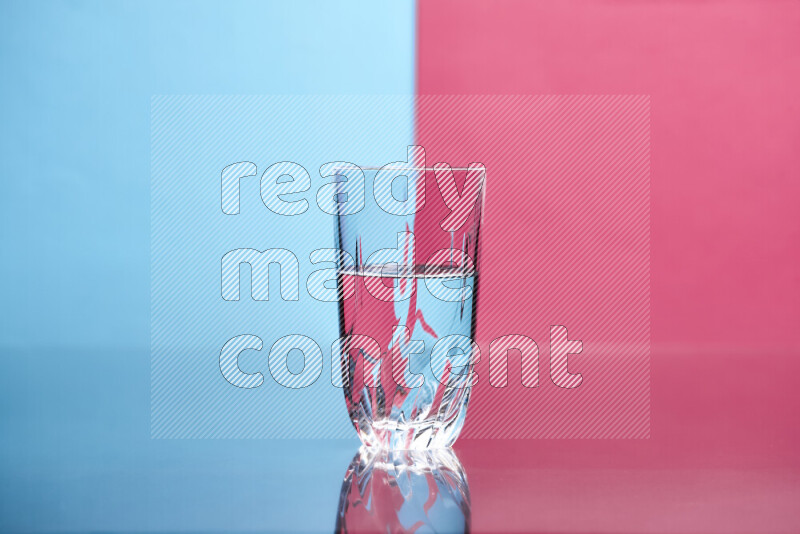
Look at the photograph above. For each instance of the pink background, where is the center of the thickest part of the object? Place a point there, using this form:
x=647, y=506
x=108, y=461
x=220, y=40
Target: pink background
x=725, y=147
x=566, y=242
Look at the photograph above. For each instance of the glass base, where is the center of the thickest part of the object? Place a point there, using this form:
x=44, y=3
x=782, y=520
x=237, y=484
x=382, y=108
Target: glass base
x=419, y=435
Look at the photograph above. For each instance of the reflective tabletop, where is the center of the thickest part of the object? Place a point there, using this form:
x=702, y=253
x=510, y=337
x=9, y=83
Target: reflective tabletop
x=77, y=457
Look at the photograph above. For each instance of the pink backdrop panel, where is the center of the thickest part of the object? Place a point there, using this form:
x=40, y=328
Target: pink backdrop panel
x=565, y=260
x=723, y=80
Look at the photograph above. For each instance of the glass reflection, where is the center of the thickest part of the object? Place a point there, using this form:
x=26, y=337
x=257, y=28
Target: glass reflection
x=404, y=491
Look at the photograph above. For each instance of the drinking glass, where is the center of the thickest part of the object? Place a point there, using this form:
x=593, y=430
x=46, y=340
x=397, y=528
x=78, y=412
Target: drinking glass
x=408, y=275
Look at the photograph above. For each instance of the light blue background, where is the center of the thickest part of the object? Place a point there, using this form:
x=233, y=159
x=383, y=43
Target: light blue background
x=77, y=78
x=194, y=139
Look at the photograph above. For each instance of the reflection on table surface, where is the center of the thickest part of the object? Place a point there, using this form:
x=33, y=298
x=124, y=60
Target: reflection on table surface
x=76, y=455
x=404, y=491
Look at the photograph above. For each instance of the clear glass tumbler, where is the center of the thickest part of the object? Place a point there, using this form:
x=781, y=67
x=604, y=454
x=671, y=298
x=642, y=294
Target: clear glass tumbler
x=408, y=281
